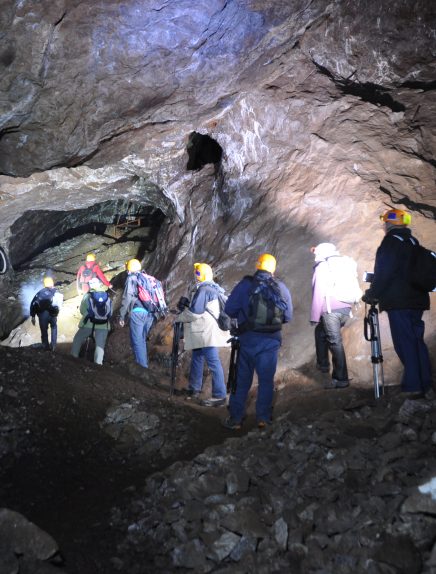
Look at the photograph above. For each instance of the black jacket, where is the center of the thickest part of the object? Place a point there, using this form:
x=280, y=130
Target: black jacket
x=391, y=283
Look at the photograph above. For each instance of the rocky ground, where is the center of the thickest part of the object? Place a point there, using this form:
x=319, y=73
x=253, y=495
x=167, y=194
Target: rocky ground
x=103, y=472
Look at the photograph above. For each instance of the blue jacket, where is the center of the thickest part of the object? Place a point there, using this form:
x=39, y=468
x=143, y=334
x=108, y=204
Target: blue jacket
x=391, y=283
x=237, y=303
x=205, y=292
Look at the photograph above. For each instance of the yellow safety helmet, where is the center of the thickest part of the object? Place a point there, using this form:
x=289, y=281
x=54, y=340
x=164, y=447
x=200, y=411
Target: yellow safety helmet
x=48, y=281
x=396, y=217
x=203, y=272
x=266, y=262
x=133, y=265
x=90, y=257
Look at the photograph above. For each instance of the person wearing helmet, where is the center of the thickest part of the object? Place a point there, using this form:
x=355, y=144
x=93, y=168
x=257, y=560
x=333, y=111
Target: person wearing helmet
x=261, y=304
x=141, y=319
x=329, y=315
x=46, y=305
x=90, y=326
x=203, y=336
x=404, y=304
x=88, y=271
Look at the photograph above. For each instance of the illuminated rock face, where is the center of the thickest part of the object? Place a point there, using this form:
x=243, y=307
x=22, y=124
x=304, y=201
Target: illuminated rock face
x=324, y=114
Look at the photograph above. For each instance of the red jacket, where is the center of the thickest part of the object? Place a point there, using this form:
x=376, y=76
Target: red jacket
x=93, y=271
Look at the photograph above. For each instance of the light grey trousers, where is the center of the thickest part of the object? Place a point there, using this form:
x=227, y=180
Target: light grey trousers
x=100, y=336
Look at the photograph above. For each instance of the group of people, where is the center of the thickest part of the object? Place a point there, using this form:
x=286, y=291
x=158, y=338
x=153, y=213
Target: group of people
x=260, y=304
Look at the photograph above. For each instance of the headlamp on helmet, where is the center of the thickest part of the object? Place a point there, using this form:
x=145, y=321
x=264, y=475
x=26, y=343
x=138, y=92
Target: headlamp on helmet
x=203, y=272
x=396, y=217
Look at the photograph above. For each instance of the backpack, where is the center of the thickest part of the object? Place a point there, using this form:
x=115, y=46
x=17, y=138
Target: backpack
x=344, y=285
x=225, y=323
x=87, y=274
x=151, y=294
x=266, y=306
x=99, y=308
x=44, y=302
x=423, y=266
x=423, y=271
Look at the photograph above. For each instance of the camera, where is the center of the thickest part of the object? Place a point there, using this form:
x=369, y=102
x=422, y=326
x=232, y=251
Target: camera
x=368, y=277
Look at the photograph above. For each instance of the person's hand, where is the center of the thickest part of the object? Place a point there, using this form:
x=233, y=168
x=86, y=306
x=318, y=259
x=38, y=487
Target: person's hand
x=110, y=286
x=314, y=323
x=368, y=298
x=121, y=323
x=33, y=321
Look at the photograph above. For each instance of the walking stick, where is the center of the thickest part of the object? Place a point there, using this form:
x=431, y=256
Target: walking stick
x=233, y=366
x=372, y=334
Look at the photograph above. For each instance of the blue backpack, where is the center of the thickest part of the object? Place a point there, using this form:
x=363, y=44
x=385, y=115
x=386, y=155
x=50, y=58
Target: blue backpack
x=99, y=308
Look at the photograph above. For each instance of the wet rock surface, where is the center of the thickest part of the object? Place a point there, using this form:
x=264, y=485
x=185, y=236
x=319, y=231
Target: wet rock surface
x=127, y=480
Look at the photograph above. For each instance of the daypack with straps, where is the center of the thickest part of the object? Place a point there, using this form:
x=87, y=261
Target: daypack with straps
x=225, y=323
x=423, y=266
x=99, y=308
x=151, y=294
x=88, y=273
x=43, y=301
x=266, y=306
x=343, y=283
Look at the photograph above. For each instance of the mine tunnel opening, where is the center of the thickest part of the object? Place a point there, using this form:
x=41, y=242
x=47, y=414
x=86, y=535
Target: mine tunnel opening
x=113, y=222
x=202, y=149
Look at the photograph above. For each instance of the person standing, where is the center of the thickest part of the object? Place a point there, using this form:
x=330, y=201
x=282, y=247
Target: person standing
x=46, y=305
x=329, y=315
x=96, y=311
x=392, y=289
x=203, y=336
x=261, y=304
x=88, y=271
x=141, y=316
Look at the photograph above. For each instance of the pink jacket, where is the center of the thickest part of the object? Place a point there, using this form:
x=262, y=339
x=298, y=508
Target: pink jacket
x=320, y=282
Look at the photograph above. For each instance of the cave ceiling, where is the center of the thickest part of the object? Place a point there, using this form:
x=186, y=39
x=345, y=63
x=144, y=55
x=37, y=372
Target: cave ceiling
x=324, y=112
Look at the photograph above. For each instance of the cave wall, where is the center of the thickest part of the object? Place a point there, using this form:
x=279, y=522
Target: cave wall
x=324, y=112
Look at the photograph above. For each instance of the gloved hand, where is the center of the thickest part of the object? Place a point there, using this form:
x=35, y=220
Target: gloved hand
x=314, y=323
x=183, y=303
x=33, y=321
x=121, y=323
x=368, y=298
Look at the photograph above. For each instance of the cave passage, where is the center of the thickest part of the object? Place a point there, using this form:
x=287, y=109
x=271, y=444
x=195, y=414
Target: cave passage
x=202, y=149
x=38, y=230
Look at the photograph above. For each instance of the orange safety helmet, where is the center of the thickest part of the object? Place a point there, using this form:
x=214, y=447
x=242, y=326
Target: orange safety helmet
x=90, y=257
x=203, y=272
x=266, y=262
x=48, y=281
x=133, y=266
x=396, y=217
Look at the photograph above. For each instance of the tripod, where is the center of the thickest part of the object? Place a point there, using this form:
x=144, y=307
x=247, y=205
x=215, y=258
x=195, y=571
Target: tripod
x=372, y=334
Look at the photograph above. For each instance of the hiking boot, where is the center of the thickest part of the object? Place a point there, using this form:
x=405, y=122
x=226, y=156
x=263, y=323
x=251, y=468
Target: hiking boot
x=191, y=394
x=335, y=384
x=214, y=402
x=231, y=424
x=263, y=424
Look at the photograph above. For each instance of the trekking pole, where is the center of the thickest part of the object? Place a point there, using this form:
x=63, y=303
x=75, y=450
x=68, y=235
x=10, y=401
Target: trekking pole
x=372, y=334
x=233, y=366
x=177, y=327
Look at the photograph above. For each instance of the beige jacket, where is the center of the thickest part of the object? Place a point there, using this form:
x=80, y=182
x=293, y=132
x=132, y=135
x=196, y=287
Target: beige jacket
x=202, y=330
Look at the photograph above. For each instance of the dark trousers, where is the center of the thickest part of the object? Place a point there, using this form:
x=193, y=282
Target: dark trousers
x=407, y=330
x=45, y=319
x=328, y=337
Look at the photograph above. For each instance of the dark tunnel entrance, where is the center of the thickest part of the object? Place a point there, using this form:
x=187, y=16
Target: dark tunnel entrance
x=118, y=221
x=202, y=149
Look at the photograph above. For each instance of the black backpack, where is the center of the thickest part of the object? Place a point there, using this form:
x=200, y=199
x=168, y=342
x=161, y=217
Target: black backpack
x=423, y=271
x=43, y=301
x=266, y=306
x=99, y=308
x=423, y=266
x=225, y=323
